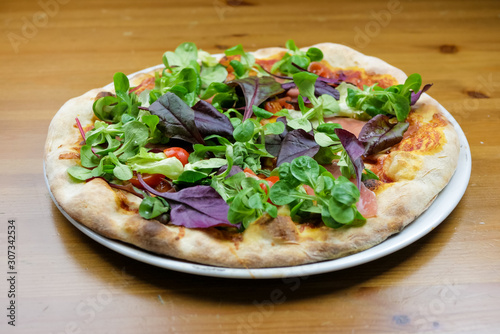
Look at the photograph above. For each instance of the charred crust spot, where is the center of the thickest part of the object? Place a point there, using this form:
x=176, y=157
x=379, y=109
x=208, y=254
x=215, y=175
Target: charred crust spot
x=477, y=95
x=313, y=223
x=239, y=35
x=448, y=48
x=302, y=228
x=372, y=184
x=281, y=227
x=151, y=230
x=216, y=233
x=182, y=232
x=163, y=218
x=398, y=210
x=69, y=155
x=124, y=203
x=237, y=238
x=224, y=233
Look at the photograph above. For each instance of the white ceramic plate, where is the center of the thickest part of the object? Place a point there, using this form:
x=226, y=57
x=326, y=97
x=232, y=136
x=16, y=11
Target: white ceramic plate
x=444, y=204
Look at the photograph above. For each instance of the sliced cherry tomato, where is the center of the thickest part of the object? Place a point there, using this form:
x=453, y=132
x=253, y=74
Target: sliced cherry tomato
x=273, y=106
x=277, y=105
x=271, y=180
x=319, y=69
x=178, y=153
x=249, y=171
x=152, y=180
x=308, y=189
x=284, y=102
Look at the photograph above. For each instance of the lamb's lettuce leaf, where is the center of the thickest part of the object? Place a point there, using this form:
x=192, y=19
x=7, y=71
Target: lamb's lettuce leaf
x=156, y=163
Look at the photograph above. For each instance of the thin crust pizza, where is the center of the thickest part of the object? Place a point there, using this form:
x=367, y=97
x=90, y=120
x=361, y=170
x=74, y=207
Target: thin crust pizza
x=279, y=157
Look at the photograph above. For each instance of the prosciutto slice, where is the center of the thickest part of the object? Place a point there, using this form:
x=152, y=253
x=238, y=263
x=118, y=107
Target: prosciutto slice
x=352, y=125
x=367, y=204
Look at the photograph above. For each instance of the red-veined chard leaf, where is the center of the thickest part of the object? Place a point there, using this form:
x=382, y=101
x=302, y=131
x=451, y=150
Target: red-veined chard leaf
x=177, y=119
x=256, y=90
x=416, y=96
x=234, y=170
x=210, y=121
x=80, y=128
x=194, y=207
x=295, y=144
x=379, y=134
x=320, y=88
x=354, y=149
x=273, y=142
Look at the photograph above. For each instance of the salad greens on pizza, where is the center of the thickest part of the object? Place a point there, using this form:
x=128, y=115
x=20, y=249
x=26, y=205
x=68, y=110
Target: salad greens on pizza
x=221, y=142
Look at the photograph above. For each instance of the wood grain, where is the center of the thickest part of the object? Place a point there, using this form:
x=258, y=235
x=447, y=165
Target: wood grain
x=447, y=282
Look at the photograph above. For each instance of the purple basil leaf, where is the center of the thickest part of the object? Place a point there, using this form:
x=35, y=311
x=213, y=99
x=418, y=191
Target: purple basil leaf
x=177, y=119
x=210, y=121
x=198, y=207
x=379, y=134
x=295, y=144
x=288, y=85
x=195, y=207
x=354, y=149
x=234, y=170
x=416, y=96
x=273, y=142
x=256, y=90
x=342, y=77
x=321, y=87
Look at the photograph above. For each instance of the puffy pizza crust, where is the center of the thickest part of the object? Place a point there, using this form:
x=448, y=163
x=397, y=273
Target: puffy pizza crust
x=419, y=173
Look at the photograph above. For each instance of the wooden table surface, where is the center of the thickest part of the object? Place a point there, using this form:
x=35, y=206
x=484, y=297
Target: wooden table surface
x=53, y=50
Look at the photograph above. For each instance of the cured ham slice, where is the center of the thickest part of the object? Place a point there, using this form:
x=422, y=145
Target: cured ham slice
x=367, y=204
x=350, y=124
x=334, y=169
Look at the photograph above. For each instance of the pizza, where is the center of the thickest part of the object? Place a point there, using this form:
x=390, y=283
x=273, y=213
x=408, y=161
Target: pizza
x=273, y=158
